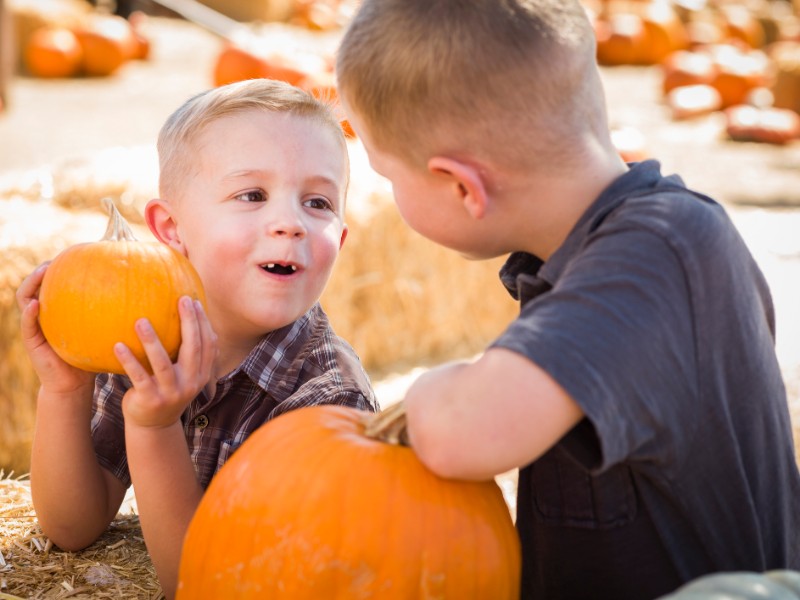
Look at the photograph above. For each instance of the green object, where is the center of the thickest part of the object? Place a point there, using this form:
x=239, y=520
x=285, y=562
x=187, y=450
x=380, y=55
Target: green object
x=741, y=585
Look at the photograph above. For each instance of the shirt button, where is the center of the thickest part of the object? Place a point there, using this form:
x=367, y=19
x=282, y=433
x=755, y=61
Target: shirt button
x=201, y=421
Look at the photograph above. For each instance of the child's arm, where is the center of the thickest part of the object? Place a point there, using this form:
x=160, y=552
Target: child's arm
x=75, y=499
x=167, y=491
x=477, y=420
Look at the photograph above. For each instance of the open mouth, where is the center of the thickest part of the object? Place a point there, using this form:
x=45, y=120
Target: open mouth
x=279, y=269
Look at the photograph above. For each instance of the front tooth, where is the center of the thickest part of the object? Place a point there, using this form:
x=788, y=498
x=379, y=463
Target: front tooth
x=270, y=265
x=294, y=268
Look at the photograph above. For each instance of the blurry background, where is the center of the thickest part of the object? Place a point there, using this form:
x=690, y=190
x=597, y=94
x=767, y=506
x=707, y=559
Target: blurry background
x=710, y=88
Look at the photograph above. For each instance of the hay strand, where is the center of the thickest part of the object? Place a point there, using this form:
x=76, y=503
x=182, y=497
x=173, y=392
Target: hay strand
x=31, y=567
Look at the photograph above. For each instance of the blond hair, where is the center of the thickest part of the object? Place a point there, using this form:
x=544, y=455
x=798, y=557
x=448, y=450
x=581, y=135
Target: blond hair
x=184, y=125
x=506, y=77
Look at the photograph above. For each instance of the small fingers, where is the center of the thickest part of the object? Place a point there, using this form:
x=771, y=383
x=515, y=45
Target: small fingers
x=208, y=342
x=29, y=320
x=190, y=355
x=159, y=360
x=138, y=375
x=28, y=290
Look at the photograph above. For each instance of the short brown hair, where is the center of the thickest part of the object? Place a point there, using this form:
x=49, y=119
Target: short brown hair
x=488, y=75
x=182, y=127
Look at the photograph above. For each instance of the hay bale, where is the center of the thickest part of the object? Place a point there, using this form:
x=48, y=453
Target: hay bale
x=116, y=566
x=30, y=233
x=127, y=174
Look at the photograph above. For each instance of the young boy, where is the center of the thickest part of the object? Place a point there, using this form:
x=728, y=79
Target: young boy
x=252, y=184
x=638, y=391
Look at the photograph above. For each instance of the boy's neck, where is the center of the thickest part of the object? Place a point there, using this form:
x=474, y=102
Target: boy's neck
x=549, y=207
x=231, y=352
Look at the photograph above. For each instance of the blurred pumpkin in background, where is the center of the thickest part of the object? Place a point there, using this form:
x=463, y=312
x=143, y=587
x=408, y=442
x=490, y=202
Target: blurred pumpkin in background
x=53, y=52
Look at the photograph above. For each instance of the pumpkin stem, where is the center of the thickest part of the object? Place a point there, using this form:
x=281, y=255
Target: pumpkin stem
x=389, y=425
x=118, y=229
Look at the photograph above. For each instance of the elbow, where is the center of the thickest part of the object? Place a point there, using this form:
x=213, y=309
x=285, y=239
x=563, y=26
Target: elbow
x=440, y=451
x=69, y=539
x=435, y=456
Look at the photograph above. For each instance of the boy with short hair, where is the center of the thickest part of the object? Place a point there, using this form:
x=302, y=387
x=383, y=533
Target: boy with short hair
x=638, y=391
x=252, y=184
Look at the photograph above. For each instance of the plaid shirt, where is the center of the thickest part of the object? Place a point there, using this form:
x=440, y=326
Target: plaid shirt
x=302, y=364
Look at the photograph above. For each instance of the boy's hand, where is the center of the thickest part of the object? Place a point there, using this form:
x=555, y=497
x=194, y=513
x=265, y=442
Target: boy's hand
x=55, y=375
x=158, y=400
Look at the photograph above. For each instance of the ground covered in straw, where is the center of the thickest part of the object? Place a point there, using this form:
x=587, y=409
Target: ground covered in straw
x=115, y=566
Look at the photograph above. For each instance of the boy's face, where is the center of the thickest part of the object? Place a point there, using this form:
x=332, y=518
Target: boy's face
x=421, y=196
x=261, y=217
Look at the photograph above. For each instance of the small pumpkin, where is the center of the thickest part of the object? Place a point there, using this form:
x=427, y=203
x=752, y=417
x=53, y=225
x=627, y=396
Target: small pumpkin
x=93, y=293
x=324, y=502
x=234, y=63
x=621, y=38
x=53, y=52
x=738, y=72
x=664, y=33
x=779, y=584
x=766, y=124
x=689, y=101
x=686, y=67
x=108, y=43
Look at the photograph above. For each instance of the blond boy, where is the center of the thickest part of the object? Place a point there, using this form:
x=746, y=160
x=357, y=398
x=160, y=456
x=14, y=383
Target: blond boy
x=252, y=184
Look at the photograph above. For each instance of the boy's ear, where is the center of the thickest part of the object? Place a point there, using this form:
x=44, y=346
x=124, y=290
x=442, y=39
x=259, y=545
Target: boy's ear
x=159, y=218
x=466, y=182
x=345, y=229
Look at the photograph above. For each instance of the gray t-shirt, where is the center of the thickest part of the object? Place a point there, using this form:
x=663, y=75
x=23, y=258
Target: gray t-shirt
x=657, y=321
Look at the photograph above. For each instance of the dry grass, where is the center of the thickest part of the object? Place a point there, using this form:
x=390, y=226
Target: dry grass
x=115, y=566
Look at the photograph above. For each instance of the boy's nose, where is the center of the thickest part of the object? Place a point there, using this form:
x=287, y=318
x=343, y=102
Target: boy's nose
x=286, y=223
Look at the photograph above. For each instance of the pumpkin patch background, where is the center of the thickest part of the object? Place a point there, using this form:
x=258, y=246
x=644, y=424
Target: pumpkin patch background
x=69, y=141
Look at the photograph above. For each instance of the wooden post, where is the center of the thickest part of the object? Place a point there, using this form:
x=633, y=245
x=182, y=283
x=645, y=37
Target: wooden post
x=7, y=57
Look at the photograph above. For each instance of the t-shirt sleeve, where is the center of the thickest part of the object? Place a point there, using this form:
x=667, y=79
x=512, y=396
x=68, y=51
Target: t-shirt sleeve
x=616, y=333
x=108, y=425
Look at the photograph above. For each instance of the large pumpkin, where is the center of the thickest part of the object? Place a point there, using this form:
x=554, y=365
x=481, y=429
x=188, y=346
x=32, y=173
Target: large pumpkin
x=93, y=293
x=315, y=504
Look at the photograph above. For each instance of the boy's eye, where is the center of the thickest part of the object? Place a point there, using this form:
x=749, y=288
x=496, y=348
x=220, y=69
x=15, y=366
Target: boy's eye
x=252, y=196
x=319, y=203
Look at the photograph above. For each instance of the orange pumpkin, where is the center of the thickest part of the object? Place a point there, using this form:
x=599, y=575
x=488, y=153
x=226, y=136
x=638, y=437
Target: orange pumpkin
x=252, y=60
x=315, y=505
x=108, y=42
x=52, y=52
x=738, y=72
x=689, y=101
x=768, y=125
x=234, y=63
x=620, y=39
x=685, y=67
x=664, y=33
x=93, y=293
x=741, y=24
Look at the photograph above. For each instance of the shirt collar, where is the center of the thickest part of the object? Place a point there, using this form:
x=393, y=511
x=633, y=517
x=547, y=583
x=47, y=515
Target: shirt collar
x=268, y=364
x=520, y=266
